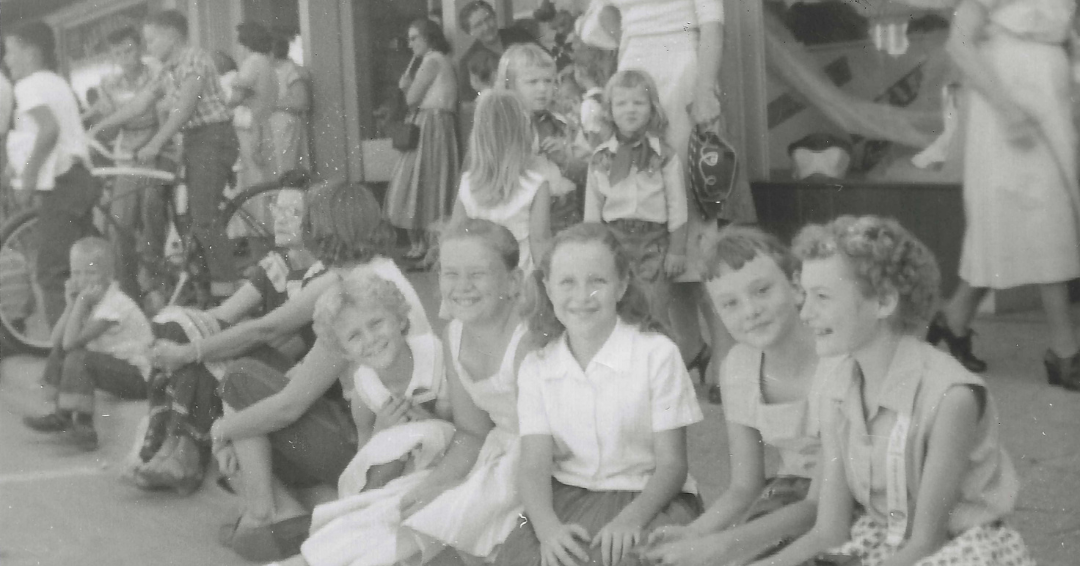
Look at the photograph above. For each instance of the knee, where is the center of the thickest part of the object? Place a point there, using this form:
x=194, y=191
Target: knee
x=244, y=383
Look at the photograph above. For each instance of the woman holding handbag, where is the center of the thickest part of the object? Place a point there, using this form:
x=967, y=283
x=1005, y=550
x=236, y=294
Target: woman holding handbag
x=422, y=188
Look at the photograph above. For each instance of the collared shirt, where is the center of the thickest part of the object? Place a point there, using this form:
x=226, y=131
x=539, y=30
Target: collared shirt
x=918, y=379
x=210, y=106
x=602, y=418
x=655, y=194
x=792, y=428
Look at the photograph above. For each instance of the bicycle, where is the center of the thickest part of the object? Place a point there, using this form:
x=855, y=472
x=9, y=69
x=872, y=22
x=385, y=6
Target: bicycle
x=179, y=269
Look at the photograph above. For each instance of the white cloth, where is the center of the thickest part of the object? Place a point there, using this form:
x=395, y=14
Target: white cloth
x=1023, y=204
x=649, y=17
x=46, y=88
x=593, y=117
x=793, y=428
x=130, y=338
x=602, y=418
x=514, y=213
x=477, y=515
x=364, y=527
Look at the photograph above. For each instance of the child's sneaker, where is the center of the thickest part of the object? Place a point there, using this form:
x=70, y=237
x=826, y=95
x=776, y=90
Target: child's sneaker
x=82, y=433
x=52, y=422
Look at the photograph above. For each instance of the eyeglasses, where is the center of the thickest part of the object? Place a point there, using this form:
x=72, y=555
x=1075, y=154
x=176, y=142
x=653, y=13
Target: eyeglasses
x=285, y=211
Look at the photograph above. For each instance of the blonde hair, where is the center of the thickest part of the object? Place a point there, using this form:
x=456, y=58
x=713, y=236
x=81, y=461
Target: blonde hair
x=362, y=290
x=636, y=78
x=521, y=56
x=99, y=250
x=500, y=147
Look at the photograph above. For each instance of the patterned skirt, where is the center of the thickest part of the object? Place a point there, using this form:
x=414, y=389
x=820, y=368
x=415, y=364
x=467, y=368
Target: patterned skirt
x=992, y=544
x=424, y=182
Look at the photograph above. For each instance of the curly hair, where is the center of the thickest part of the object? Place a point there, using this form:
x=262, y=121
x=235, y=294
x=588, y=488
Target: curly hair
x=632, y=308
x=736, y=245
x=343, y=224
x=361, y=290
x=884, y=257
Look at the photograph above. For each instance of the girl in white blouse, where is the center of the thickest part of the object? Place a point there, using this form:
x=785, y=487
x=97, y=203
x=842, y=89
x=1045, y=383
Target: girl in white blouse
x=771, y=398
x=603, y=410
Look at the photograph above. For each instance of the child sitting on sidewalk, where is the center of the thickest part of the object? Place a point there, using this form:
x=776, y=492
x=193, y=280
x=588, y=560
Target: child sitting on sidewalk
x=102, y=341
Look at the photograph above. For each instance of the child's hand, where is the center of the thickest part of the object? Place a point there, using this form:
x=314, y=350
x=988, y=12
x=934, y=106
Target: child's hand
x=674, y=264
x=394, y=411
x=616, y=540
x=561, y=546
x=670, y=533
x=225, y=455
x=555, y=148
x=71, y=290
x=92, y=293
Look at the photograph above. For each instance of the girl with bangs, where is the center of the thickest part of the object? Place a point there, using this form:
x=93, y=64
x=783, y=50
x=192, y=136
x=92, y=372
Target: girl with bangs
x=503, y=183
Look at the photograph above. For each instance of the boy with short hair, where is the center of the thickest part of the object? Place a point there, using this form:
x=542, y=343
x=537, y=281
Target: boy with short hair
x=102, y=341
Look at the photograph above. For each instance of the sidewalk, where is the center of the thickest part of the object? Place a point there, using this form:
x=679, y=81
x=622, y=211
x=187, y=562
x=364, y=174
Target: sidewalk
x=60, y=508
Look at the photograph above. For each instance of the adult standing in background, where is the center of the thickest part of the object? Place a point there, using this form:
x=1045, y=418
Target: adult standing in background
x=477, y=18
x=424, y=182
x=289, y=121
x=131, y=206
x=680, y=43
x=1021, y=194
x=189, y=87
x=255, y=94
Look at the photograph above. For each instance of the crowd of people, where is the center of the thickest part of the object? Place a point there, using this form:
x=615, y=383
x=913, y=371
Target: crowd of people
x=547, y=425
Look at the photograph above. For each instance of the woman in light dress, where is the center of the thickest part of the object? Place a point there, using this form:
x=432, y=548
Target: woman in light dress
x=1020, y=180
x=289, y=122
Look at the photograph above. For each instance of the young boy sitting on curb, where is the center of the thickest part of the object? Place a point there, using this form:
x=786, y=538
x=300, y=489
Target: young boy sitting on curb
x=102, y=341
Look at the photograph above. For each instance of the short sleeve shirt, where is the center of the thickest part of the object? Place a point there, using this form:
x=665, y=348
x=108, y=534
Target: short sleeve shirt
x=210, y=106
x=793, y=429
x=602, y=418
x=47, y=89
x=656, y=193
x=277, y=282
x=129, y=339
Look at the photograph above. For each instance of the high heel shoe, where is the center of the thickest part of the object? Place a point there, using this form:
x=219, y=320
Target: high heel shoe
x=1064, y=372
x=959, y=346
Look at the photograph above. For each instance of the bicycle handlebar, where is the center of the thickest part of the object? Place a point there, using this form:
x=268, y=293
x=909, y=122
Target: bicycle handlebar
x=125, y=170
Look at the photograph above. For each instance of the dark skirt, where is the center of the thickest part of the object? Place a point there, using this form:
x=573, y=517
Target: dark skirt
x=592, y=510
x=424, y=182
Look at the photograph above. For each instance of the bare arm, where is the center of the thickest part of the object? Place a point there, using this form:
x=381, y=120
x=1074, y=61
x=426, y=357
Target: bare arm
x=835, y=506
x=79, y=329
x=706, y=106
x=747, y=457
x=309, y=380
x=236, y=306
x=951, y=442
x=540, y=223
x=48, y=132
x=186, y=101
x=136, y=107
x=666, y=481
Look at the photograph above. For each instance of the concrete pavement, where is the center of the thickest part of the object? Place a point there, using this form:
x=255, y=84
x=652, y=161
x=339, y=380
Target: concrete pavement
x=59, y=507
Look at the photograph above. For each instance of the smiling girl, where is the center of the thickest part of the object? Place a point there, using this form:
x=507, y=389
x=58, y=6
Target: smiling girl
x=603, y=410
x=771, y=399
x=909, y=434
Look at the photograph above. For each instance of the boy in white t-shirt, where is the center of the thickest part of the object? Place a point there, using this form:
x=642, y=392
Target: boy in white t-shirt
x=48, y=152
x=102, y=341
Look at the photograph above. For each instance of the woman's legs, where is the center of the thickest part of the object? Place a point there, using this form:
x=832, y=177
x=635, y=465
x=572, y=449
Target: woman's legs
x=1055, y=302
x=960, y=310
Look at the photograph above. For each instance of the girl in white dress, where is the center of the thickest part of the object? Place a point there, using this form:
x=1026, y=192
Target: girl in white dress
x=398, y=395
x=503, y=183
x=479, y=503
x=603, y=410
x=771, y=398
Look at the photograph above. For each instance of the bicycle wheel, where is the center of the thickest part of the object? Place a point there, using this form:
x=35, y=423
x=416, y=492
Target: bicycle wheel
x=23, y=326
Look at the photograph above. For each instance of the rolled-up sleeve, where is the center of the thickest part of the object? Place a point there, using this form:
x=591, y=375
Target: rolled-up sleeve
x=532, y=415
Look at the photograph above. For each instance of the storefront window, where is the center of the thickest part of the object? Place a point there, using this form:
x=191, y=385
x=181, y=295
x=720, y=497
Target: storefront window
x=858, y=89
x=85, y=48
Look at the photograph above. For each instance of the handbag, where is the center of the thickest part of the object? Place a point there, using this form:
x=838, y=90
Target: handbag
x=404, y=136
x=712, y=168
